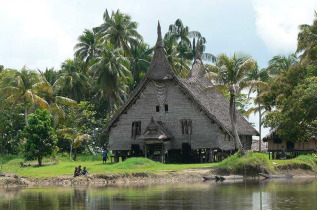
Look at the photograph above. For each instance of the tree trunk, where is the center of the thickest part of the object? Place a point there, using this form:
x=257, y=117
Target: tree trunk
x=233, y=124
x=26, y=112
x=39, y=160
x=260, y=121
x=75, y=154
x=70, y=151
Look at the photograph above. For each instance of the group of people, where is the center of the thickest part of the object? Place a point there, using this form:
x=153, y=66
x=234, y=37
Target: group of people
x=79, y=172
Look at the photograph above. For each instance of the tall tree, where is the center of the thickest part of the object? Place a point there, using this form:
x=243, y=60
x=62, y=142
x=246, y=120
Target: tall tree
x=256, y=80
x=23, y=89
x=120, y=30
x=181, y=34
x=179, y=66
x=87, y=47
x=55, y=101
x=228, y=73
x=112, y=73
x=279, y=64
x=307, y=42
x=140, y=59
x=72, y=82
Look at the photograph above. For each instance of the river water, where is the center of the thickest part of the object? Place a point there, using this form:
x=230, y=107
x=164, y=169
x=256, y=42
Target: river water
x=252, y=194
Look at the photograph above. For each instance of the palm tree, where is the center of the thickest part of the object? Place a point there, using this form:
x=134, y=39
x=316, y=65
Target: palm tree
x=229, y=73
x=307, y=42
x=72, y=82
x=112, y=73
x=279, y=64
x=256, y=80
x=87, y=47
x=140, y=60
x=24, y=88
x=55, y=102
x=75, y=139
x=180, y=66
x=50, y=75
x=119, y=30
x=182, y=36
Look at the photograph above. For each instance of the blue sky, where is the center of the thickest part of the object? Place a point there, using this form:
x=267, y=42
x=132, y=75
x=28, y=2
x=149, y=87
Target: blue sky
x=42, y=33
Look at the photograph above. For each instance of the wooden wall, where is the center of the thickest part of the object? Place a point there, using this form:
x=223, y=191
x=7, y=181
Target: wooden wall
x=205, y=134
x=299, y=146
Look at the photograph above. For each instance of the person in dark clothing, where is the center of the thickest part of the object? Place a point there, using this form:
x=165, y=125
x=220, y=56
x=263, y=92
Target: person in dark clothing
x=104, y=156
x=84, y=172
x=283, y=153
x=76, y=173
x=79, y=169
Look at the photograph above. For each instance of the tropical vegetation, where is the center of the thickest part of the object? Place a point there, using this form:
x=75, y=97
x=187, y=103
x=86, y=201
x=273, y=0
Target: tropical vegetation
x=111, y=59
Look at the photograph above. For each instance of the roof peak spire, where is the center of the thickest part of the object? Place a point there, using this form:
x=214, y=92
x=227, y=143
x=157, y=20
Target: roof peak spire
x=198, y=53
x=159, y=42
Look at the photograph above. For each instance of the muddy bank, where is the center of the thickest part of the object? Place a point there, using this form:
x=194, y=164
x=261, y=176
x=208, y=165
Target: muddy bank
x=190, y=175
x=109, y=179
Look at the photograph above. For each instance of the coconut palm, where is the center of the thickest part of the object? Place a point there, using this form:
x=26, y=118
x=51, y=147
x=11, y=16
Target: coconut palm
x=120, y=30
x=72, y=82
x=75, y=139
x=229, y=73
x=112, y=73
x=50, y=75
x=180, y=66
x=24, y=89
x=87, y=46
x=182, y=35
x=140, y=59
x=55, y=102
x=256, y=80
x=279, y=64
x=307, y=42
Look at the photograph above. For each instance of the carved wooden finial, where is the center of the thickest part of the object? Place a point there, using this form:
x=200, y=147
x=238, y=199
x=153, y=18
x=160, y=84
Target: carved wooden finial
x=198, y=53
x=159, y=42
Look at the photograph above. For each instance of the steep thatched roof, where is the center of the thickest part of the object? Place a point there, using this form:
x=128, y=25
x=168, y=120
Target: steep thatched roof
x=210, y=101
x=160, y=68
x=270, y=135
x=216, y=106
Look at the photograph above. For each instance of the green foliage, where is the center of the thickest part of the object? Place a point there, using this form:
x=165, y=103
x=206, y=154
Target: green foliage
x=40, y=136
x=253, y=162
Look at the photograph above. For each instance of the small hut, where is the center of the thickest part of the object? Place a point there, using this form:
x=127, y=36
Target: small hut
x=170, y=119
x=293, y=149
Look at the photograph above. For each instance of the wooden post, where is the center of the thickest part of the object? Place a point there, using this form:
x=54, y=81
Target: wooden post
x=145, y=150
x=162, y=153
x=200, y=156
x=116, y=156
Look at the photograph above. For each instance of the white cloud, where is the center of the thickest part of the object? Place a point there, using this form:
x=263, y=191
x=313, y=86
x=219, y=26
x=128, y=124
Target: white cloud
x=277, y=22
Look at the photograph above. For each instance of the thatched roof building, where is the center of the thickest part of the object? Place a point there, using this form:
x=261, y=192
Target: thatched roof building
x=184, y=111
x=276, y=144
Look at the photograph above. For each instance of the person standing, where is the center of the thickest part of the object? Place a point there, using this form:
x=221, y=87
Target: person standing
x=104, y=156
x=283, y=153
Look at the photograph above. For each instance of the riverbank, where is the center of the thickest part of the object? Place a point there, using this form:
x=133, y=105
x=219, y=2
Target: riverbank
x=145, y=171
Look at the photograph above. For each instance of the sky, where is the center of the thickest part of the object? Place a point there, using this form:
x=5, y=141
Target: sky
x=42, y=33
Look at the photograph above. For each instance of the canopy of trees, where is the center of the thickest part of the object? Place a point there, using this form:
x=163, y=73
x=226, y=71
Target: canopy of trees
x=111, y=59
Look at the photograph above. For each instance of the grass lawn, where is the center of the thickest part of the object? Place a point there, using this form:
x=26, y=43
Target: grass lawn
x=65, y=166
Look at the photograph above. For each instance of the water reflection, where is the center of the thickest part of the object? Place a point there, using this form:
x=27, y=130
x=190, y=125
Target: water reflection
x=253, y=194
